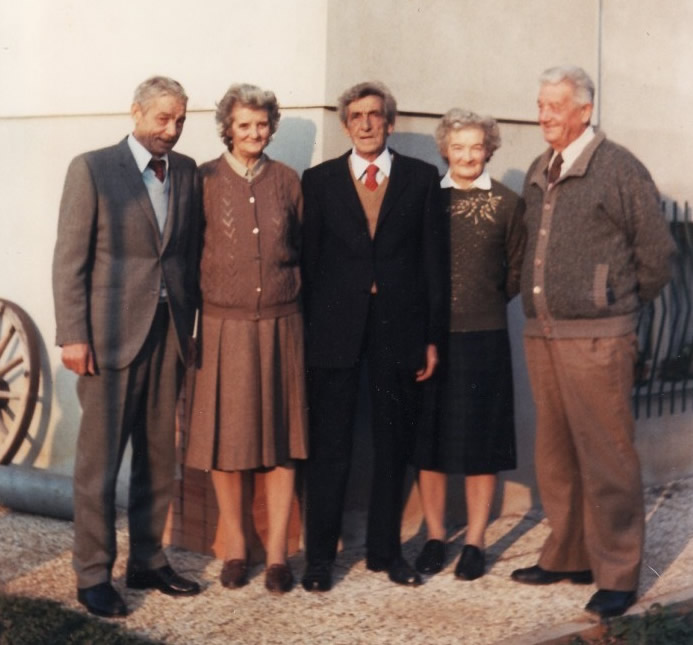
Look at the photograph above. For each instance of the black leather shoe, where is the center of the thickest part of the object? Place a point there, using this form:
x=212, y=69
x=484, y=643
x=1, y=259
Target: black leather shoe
x=471, y=564
x=537, y=576
x=399, y=571
x=102, y=600
x=431, y=558
x=606, y=603
x=165, y=579
x=317, y=576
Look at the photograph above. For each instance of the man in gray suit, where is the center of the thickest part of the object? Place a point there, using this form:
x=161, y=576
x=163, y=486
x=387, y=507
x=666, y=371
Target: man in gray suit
x=124, y=283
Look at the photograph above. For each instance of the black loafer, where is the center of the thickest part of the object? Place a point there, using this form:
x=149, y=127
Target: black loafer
x=537, y=576
x=606, y=603
x=431, y=558
x=472, y=563
x=102, y=600
x=399, y=571
x=165, y=579
x=317, y=576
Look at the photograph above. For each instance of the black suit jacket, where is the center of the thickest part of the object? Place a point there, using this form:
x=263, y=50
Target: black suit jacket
x=407, y=259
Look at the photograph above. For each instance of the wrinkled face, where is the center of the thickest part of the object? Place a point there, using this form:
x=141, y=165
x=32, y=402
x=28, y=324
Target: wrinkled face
x=466, y=154
x=367, y=126
x=249, y=132
x=159, y=123
x=561, y=119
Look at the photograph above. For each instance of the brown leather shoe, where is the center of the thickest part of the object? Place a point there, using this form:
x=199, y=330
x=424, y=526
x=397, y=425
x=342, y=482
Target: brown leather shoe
x=234, y=574
x=279, y=579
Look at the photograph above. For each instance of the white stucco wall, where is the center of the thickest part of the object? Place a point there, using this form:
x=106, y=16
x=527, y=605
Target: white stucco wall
x=68, y=70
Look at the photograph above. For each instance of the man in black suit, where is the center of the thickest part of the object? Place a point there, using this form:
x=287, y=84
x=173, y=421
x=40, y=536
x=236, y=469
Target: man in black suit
x=374, y=278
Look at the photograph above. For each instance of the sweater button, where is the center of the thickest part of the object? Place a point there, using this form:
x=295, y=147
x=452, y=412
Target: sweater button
x=256, y=230
x=537, y=262
x=258, y=289
x=537, y=290
x=542, y=232
x=252, y=200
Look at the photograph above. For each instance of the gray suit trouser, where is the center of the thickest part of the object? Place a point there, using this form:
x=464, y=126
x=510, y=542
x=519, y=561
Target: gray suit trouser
x=137, y=402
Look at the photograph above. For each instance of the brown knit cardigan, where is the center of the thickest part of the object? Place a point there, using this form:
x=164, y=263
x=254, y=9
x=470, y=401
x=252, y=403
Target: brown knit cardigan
x=250, y=258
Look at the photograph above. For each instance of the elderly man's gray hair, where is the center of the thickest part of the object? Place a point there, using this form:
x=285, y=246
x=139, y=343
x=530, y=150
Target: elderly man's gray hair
x=245, y=95
x=369, y=88
x=576, y=76
x=456, y=119
x=159, y=86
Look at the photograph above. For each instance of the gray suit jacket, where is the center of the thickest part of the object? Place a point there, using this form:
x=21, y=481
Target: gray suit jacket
x=110, y=257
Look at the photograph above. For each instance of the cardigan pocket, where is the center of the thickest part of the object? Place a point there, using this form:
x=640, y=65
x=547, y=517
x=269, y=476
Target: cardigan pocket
x=602, y=294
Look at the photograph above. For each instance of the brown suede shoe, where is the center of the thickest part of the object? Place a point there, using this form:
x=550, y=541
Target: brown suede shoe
x=279, y=579
x=234, y=574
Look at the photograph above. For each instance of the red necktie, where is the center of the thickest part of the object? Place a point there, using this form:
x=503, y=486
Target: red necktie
x=371, y=172
x=159, y=168
x=555, y=170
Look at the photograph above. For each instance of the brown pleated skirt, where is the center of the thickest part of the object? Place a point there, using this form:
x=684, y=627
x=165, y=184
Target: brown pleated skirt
x=249, y=405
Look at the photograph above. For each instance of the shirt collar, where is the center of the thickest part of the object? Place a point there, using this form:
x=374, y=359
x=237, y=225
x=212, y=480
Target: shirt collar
x=244, y=171
x=359, y=164
x=574, y=149
x=483, y=181
x=141, y=154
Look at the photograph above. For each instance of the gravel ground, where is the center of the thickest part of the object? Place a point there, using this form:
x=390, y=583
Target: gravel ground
x=363, y=607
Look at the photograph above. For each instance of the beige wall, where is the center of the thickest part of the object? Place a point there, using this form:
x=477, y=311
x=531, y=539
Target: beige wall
x=68, y=70
x=647, y=96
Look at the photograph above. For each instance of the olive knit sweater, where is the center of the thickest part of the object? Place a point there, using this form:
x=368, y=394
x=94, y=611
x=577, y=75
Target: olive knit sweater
x=487, y=239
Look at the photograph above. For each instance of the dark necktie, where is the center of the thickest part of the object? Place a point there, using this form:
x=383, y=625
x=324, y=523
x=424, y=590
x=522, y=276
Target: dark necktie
x=159, y=168
x=555, y=170
x=371, y=172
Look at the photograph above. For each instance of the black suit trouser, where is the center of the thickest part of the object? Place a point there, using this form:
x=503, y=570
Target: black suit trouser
x=333, y=395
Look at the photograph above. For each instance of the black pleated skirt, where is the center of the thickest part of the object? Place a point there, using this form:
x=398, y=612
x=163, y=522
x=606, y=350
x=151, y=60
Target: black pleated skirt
x=467, y=422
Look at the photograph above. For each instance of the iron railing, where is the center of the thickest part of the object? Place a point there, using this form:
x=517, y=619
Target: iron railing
x=664, y=371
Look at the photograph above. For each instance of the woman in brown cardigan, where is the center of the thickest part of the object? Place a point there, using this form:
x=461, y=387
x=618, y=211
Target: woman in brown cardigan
x=249, y=406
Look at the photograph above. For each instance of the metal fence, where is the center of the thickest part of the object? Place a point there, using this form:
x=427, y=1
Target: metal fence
x=664, y=371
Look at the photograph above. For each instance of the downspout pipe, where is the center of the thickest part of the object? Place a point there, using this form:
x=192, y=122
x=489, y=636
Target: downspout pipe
x=37, y=491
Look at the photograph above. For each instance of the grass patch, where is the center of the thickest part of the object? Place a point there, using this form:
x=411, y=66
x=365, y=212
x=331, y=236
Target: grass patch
x=29, y=621
x=659, y=625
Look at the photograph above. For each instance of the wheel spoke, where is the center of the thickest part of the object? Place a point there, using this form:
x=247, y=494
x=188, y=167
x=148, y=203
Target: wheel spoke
x=10, y=395
x=7, y=338
x=11, y=365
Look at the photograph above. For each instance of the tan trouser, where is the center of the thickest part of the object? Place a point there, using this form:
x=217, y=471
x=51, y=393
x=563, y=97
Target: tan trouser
x=587, y=468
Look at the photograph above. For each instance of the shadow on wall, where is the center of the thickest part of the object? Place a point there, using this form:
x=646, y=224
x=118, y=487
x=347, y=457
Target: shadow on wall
x=421, y=146
x=293, y=143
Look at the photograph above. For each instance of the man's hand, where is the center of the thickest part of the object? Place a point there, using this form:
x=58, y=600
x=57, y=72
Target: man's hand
x=79, y=358
x=431, y=363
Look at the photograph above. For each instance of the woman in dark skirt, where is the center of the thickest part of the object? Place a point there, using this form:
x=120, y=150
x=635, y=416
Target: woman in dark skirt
x=467, y=422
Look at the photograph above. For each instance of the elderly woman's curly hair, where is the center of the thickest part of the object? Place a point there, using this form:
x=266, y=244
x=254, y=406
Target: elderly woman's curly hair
x=457, y=119
x=250, y=96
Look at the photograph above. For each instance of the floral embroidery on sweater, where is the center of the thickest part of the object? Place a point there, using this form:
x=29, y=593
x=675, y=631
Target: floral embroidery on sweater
x=478, y=207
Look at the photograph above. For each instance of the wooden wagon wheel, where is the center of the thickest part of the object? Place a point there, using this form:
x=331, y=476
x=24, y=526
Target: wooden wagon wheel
x=19, y=377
